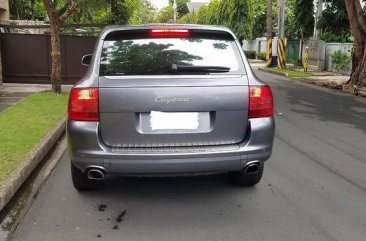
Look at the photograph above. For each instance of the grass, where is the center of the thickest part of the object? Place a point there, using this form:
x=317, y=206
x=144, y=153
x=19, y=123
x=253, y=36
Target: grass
x=23, y=125
x=291, y=73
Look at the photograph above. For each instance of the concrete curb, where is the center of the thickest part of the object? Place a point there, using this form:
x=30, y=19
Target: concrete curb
x=39, y=181
x=32, y=159
x=274, y=72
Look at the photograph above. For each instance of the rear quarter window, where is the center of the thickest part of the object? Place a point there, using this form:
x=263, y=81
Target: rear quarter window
x=144, y=55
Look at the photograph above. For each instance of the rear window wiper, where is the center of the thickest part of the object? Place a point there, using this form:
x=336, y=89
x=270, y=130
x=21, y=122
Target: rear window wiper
x=205, y=69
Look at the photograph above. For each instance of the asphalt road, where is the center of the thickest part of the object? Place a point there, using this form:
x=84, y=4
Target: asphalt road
x=314, y=187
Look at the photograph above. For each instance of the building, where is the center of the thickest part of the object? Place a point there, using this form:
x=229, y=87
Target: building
x=4, y=10
x=196, y=5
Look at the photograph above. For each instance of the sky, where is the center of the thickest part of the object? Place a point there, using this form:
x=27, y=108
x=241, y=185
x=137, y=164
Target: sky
x=162, y=3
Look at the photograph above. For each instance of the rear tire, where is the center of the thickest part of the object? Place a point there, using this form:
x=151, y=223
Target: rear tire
x=247, y=179
x=81, y=181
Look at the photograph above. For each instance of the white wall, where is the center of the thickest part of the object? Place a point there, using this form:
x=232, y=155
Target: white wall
x=259, y=45
x=330, y=48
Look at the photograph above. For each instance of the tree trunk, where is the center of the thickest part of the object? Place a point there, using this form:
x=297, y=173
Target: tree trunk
x=358, y=27
x=56, y=22
x=56, y=70
x=1, y=66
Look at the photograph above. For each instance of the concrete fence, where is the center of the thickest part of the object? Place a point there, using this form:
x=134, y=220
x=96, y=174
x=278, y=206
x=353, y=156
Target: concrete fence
x=330, y=48
x=320, y=52
x=259, y=45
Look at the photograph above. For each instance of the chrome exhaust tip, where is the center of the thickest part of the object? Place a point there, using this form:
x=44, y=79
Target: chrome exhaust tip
x=252, y=167
x=95, y=174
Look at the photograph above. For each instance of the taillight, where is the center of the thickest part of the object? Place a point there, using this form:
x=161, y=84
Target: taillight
x=169, y=33
x=260, y=101
x=83, y=104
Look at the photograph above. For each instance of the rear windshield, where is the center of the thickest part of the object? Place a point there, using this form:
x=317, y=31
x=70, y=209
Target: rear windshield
x=159, y=56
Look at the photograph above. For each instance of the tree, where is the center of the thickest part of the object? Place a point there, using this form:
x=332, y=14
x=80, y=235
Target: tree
x=165, y=15
x=235, y=14
x=144, y=13
x=357, y=22
x=202, y=15
x=57, y=19
x=304, y=18
x=259, y=18
x=334, y=22
x=22, y=9
x=190, y=18
x=182, y=7
x=212, y=15
x=238, y=16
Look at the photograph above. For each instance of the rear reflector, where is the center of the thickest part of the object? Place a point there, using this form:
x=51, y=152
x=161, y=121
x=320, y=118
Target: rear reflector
x=260, y=101
x=169, y=33
x=83, y=104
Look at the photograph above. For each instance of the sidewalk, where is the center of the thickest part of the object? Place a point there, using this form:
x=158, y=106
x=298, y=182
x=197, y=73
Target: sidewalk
x=321, y=78
x=11, y=93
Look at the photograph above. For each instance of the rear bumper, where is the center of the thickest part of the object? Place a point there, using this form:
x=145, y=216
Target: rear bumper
x=87, y=150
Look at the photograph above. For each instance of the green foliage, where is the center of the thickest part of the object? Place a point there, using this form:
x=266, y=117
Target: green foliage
x=202, y=15
x=291, y=28
x=39, y=11
x=334, y=21
x=165, y=15
x=213, y=13
x=235, y=14
x=304, y=18
x=330, y=37
x=182, y=8
x=189, y=18
x=238, y=16
x=261, y=55
x=340, y=60
x=26, y=9
x=260, y=18
x=250, y=54
x=88, y=11
x=144, y=13
x=260, y=27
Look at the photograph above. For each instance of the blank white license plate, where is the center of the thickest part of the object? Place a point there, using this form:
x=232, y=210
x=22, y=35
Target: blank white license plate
x=174, y=120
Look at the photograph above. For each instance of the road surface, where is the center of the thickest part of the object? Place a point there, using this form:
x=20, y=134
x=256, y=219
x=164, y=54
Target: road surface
x=313, y=188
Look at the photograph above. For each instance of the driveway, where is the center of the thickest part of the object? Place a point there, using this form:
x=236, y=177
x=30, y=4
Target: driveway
x=313, y=188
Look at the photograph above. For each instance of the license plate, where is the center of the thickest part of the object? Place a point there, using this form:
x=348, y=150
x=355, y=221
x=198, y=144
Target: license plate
x=174, y=120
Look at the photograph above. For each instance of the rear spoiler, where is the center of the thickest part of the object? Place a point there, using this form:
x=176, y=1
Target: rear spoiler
x=180, y=32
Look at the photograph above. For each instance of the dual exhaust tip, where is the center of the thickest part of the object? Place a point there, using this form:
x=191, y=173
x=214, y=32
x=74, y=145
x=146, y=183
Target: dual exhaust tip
x=98, y=174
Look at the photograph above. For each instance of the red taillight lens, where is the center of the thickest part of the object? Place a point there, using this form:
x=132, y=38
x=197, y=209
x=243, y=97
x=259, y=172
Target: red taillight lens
x=260, y=101
x=158, y=33
x=83, y=104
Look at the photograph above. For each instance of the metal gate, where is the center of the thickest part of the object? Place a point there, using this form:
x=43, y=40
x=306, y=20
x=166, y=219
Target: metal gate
x=292, y=51
x=26, y=57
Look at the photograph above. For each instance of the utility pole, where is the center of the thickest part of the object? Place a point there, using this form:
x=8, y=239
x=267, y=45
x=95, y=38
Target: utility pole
x=319, y=10
x=281, y=35
x=175, y=10
x=269, y=34
x=281, y=18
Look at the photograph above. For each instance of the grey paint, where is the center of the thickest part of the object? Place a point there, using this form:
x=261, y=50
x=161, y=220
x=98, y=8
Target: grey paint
x=312, y=189
x=124, y=105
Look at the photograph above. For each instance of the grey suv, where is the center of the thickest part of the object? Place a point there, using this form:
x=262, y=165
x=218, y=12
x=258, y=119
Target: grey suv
x=169, y=100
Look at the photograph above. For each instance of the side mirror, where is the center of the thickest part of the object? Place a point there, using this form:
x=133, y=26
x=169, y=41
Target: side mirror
x=86, y=59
